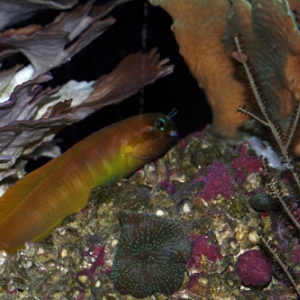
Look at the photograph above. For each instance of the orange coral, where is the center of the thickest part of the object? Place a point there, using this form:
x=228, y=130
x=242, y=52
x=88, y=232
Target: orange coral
x=271, y=38
x=270, y=34
x=199, y=27
x=204, y=30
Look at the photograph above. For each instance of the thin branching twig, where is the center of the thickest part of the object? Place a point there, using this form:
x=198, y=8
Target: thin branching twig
x=281, y=263
x=283, y=138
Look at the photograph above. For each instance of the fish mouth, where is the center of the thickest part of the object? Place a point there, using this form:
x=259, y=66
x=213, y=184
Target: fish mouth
x=173, y=134
x=174, y=137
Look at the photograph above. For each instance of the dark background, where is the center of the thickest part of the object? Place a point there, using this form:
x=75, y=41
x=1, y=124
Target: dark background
x=178, y=90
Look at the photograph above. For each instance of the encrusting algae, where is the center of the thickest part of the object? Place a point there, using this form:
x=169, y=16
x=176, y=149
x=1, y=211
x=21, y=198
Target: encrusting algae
x=82, y=258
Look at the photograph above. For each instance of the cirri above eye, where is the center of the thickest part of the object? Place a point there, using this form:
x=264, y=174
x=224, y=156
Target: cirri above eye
x=161, y=124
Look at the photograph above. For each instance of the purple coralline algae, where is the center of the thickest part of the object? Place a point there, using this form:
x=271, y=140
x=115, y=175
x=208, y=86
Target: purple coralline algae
x=200, y=248
x=87, y=258
x=220, y=176
x=97, y=252
x=296, y=254
x=168, y=186
x=218, y=182
x=245, y=164
x=254, y=268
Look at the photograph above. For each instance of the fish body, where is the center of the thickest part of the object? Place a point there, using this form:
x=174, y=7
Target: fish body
x=38, y=203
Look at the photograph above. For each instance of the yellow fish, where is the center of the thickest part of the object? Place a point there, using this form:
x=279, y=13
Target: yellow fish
x=38, y=203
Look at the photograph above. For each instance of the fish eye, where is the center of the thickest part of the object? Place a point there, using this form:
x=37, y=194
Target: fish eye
x=161, y=124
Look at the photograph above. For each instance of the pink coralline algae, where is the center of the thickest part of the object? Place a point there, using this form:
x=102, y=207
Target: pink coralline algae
x=296, y=254
x=254, y=268
x=221, y=178
x=200, y=248
x=98, y=253
x=193, y=279
x=217, y=181
x=183, y=143
x=167, y=185
x=244, y=165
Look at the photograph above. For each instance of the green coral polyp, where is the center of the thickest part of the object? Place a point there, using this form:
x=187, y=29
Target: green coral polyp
x=150, y=256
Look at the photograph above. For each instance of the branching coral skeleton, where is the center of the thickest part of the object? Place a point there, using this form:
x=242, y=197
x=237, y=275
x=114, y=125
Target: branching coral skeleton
x=283, y=138
x=282, y=264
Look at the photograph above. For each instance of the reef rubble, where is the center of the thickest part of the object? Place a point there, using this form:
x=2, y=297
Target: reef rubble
x=204, y=183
